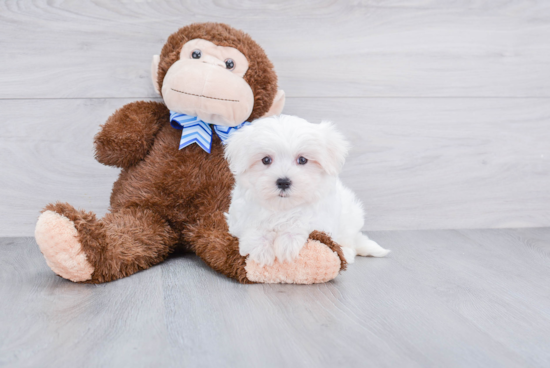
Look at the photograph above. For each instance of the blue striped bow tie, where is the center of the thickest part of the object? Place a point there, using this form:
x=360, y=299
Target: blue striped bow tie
x=197, y=131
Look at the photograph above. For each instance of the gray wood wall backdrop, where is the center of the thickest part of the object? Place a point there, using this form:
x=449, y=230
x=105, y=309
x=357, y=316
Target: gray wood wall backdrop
x=447, y=103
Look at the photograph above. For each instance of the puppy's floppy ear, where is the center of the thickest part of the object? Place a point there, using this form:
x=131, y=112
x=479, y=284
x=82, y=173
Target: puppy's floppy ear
x=336, y=148
x=235, y=152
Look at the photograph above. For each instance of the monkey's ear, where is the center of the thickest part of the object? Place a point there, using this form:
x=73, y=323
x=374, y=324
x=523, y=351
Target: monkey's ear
x=278, y=104
x=155, y=73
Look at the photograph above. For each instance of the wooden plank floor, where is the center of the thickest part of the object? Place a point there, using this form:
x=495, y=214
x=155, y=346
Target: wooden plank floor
x=447, y=106
x=443, y=298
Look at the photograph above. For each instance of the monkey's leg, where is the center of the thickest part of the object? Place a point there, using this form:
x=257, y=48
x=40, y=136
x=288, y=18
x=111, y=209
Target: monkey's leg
x=319, y=261
x=79, y=247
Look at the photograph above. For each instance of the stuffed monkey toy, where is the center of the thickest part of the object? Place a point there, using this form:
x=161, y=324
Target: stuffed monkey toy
x=175, y=184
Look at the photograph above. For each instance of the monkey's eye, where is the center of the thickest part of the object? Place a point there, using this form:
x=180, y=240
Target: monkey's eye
x=229, y=64
x=196, y=54
x=267, y=160
x=301, y=160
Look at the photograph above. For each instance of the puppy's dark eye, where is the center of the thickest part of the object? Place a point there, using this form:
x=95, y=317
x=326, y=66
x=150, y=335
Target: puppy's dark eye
x=302, y=160
x=267, y=160
x=229, y=64
x=196, y=54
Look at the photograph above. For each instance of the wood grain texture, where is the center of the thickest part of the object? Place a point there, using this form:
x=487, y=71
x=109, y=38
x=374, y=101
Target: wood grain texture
x=47, y=155
x=447, y=106
x=444, y=163
x=443, y=298
x=416, y=163
x=325, y=48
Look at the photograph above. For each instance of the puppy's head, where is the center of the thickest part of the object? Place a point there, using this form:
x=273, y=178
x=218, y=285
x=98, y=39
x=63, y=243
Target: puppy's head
x=284, y=161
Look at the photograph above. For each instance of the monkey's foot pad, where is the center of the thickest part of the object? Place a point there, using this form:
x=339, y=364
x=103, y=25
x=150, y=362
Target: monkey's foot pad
x=57, y=238
x=316, y=264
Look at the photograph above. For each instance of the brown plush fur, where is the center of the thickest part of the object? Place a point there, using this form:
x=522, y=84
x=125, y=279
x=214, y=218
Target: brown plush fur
x=260, y=75
x=121, y=243
x=166, y=198
x=129, y=133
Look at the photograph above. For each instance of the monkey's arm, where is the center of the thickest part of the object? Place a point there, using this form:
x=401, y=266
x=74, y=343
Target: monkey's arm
x=127, y=136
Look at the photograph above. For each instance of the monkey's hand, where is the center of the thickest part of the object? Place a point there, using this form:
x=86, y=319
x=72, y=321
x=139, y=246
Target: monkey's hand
x=127, y=136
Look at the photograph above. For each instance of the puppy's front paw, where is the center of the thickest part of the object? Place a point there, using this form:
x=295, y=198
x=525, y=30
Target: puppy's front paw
x=288, y=246
x=263, y=255
x=258, y=246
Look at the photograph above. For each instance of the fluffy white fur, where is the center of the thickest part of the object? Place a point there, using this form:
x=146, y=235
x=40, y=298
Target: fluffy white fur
x=274, y=223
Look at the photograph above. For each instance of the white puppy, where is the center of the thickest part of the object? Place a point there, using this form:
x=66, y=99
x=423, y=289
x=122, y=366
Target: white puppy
x=286, y=171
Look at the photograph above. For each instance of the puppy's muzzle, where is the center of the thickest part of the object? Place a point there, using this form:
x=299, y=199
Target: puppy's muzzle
x=283, y=183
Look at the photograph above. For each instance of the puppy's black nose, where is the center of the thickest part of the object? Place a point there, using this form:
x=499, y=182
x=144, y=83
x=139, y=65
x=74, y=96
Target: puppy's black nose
x=283, y=183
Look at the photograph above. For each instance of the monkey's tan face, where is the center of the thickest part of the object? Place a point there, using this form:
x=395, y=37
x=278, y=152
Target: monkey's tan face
x=207, y=81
